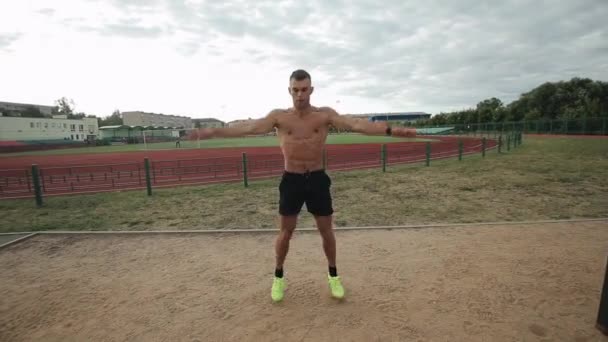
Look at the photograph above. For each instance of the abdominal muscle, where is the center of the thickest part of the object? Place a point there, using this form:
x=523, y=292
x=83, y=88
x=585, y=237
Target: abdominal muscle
x=304, y=154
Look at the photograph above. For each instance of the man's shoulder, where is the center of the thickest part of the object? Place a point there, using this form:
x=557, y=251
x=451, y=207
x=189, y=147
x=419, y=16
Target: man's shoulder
x=275, y=114
x=326, y=109
x=278, y=111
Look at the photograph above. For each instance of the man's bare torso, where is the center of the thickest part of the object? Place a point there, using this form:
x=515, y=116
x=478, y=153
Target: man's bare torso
x=302, y=137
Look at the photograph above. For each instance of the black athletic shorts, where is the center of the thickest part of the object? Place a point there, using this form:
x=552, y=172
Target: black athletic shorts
x=312, y=188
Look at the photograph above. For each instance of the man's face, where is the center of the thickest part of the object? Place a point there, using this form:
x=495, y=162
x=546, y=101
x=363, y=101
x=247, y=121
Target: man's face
x=300, y=92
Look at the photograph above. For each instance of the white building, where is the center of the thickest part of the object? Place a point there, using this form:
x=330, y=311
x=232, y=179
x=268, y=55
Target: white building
x=208, y=122
x=138, y=118
x=56, y=128
x=13, y=107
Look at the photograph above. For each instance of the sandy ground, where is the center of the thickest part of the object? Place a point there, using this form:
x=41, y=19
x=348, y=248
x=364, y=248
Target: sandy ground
x=488, y=283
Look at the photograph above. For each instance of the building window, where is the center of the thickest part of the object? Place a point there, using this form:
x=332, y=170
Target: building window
x=37, y=124
x=73, y=128
x=72, y=136
x=81, y=128
x=65, y=125
x=77, y=137
x=31, y=125
x=46, y=125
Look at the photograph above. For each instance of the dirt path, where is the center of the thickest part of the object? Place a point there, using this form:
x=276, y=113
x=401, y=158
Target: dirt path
x=538, y=282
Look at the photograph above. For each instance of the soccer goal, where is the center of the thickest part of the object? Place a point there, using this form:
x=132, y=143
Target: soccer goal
x=162, y=139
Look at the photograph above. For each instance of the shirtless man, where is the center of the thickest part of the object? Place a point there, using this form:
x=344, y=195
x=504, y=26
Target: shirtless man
x=302, y=131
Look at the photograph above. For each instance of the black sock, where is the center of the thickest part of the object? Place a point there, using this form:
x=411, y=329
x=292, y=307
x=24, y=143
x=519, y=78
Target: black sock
x=278, y=272
x=333, y=271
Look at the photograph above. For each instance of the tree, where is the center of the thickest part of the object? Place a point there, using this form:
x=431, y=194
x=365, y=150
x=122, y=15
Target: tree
x=534, y=114
x=111, y=120
x=76, y=116
x=486, y=109
x=574, y=99
x=64, y=106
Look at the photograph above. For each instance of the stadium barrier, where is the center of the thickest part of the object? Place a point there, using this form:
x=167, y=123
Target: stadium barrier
x=580, y=126
x=148, y=174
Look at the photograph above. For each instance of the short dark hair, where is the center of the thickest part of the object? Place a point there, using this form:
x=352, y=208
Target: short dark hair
x=299, y=75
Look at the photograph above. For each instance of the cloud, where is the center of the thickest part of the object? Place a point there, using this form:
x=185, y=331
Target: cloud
x=127, y=19
x=126, y=29
x=46, y=11
x=433, y=55
x=7, y=39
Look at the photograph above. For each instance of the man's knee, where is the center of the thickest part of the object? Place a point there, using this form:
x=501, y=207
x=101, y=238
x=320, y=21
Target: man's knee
x=324, y=224
x=285, y=235
x=288, y=225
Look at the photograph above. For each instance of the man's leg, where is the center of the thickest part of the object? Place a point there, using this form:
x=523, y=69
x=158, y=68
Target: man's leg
x=320, y=205
x=324, y=225
x=288, y=225
x=290, y=204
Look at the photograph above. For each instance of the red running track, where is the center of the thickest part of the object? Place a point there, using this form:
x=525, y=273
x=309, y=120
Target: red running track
x=92, y=173
x=581, y=136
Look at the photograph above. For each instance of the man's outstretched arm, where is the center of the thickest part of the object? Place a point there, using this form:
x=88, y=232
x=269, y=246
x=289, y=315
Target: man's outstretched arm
x=365, y=127
x=252, y=127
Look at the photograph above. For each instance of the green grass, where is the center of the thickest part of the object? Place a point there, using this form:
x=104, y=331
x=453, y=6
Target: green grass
x=541, y=179
x=8, y=238
x=212, y=143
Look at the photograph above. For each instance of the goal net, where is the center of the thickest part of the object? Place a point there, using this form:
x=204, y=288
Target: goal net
x=160, y=139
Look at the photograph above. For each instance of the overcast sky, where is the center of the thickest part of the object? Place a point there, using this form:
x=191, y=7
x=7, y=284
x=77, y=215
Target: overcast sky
x=231, y=59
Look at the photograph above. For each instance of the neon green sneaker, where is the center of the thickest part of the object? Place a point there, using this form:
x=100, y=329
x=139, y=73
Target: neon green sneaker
x=335, y=285
x=278, y=289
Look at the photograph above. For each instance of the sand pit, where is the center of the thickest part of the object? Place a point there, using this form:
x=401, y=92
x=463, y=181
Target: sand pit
x=538, y=282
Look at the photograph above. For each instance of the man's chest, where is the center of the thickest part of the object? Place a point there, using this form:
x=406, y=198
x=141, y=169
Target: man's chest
x=303, y=127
